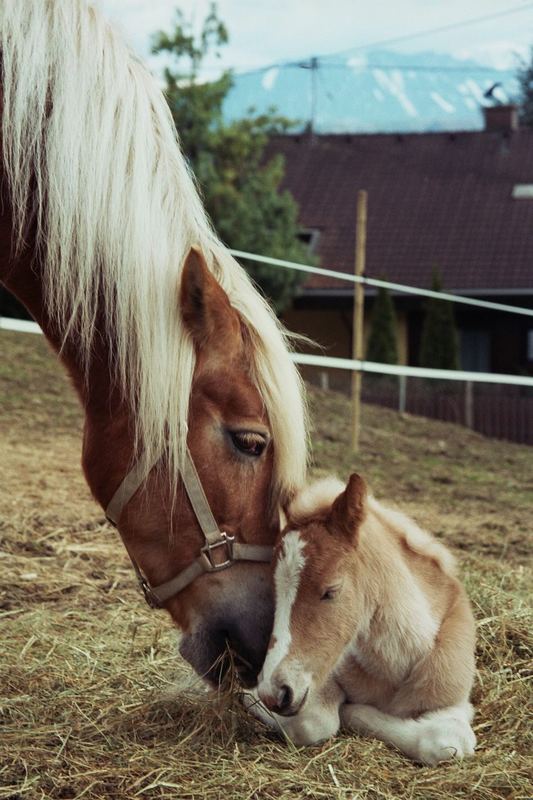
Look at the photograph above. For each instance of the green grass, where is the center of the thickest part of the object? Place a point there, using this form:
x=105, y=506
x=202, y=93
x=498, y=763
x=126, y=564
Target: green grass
x=94, y=701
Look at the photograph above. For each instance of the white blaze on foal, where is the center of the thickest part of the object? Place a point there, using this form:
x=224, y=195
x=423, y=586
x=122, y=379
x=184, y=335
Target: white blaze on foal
x=276, y=674
x=372, y=629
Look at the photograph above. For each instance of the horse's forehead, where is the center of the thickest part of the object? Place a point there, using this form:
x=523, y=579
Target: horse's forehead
x=231, y=391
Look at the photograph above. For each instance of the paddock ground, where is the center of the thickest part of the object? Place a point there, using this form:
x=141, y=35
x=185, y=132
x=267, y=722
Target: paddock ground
x=94, y=701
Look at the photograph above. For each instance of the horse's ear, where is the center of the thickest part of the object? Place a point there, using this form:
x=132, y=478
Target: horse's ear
x=349, y=509
x=205, y=307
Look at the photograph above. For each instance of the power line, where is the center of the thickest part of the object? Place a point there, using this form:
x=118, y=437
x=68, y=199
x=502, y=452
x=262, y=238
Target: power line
x=441, y=29
x=413, y=67
x=397, y=40
x=325, y=66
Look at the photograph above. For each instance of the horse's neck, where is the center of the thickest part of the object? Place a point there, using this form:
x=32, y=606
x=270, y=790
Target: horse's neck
x=106, y=417
x=398, y=626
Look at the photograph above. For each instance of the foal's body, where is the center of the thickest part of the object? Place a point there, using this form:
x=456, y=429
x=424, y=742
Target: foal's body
x=372, y=630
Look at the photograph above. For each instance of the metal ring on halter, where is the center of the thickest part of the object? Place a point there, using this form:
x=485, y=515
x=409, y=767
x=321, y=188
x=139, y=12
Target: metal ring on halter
x=157, y=596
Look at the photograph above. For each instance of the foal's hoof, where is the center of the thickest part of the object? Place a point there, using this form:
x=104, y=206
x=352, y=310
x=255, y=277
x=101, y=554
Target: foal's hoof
x=445, y=740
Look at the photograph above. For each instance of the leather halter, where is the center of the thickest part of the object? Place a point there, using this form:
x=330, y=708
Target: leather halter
x=157, y=596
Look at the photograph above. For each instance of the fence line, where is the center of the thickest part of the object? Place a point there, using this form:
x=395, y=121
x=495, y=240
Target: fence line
x=411, y=372
x=25, y=326
x=398, y=287
x=21, y=325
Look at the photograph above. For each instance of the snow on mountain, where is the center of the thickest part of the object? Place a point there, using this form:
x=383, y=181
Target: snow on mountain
x=379, y=91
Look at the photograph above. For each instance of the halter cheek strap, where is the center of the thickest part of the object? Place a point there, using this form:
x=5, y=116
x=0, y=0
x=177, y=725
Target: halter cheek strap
x=215, y=539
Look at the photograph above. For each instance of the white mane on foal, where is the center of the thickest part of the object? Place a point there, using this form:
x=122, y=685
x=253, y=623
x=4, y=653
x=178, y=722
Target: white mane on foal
x=315, y=497
x=90, y=145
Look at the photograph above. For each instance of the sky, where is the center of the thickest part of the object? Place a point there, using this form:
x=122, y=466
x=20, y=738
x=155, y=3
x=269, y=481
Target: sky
x=279, y=30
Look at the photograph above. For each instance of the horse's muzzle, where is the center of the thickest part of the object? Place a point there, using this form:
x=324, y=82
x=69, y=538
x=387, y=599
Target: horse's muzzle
x=236, y=640
x=215, y=652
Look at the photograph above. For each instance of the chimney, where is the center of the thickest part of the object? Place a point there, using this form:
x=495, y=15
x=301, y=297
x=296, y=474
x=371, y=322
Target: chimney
x=501, y=119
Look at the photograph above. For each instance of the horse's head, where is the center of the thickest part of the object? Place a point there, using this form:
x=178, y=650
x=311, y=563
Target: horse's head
x=162, y=357
x=318, y=605
x=230, y=441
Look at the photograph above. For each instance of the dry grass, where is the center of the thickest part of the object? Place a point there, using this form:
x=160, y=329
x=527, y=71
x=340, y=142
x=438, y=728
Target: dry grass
x=95, y=703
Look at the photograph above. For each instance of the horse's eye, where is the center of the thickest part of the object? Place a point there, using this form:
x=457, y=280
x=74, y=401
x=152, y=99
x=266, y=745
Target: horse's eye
x=251, y=443
x=330, y=593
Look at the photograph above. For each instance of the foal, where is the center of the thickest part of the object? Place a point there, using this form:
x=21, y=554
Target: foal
x=372, y=629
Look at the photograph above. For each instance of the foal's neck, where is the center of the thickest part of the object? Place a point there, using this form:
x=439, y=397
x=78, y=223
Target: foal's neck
x=398, y=626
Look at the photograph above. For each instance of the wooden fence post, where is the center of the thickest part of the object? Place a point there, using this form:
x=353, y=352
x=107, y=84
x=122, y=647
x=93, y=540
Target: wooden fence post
x=469, y=404
x=358, y=315
x=402, y=394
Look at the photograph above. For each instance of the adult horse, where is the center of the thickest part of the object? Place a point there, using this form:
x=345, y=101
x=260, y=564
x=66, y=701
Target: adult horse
x=178, y=361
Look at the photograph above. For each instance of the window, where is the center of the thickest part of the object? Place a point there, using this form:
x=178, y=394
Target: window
x=309, y=237
x=475, y=350
x=530, y=345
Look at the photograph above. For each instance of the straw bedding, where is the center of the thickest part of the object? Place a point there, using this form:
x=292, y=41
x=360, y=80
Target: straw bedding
x=94, y=701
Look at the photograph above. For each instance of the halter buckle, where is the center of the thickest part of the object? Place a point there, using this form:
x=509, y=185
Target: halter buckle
x=207, y=557
x=151, y=598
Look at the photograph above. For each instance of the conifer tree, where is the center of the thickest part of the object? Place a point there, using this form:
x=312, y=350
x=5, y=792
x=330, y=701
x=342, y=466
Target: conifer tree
x=382, y=340
x=439, y=345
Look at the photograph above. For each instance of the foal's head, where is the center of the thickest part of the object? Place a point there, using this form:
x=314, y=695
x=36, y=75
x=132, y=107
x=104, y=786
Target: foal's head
x=316, y=596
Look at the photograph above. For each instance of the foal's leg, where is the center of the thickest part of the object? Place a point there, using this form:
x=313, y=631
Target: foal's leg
x=444, y=677
x=435, y=736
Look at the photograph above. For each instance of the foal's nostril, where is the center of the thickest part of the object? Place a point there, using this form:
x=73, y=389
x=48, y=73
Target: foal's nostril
x=286, y=696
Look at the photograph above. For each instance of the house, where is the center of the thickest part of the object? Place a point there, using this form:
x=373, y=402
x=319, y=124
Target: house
x=461, y=203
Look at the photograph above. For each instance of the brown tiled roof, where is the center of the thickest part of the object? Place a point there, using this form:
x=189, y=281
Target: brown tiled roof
x=440, y=200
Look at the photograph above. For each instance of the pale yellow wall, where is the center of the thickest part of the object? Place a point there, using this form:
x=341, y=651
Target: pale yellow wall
x=332, y=330
x=329, y=328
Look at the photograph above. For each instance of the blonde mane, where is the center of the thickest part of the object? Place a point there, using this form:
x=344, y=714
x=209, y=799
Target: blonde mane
x=92, y=159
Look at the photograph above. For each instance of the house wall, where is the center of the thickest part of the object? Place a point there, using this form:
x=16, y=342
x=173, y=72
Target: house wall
x=506, y=335
x=331, y=328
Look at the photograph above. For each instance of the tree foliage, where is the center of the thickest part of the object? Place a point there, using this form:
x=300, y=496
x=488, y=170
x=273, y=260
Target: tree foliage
x=382, y=340
x=240, y=186
x=439, y=345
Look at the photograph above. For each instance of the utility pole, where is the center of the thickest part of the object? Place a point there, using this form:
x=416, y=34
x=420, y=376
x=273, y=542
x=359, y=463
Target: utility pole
x=358, y=314
x=313, y=65
x=314, y=92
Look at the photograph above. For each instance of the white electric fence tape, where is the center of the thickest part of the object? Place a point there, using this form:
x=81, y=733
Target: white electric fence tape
x=328, y=362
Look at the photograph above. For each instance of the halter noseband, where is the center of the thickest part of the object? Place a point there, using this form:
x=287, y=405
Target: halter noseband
x=156, y=596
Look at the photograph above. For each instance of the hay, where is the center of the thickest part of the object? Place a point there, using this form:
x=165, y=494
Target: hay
x=96, y=704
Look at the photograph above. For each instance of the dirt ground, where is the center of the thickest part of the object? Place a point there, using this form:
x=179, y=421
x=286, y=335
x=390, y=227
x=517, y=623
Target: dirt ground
x=94, y=701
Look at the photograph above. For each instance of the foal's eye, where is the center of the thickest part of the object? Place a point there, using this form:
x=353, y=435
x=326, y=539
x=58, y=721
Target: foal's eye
x=251, y=443
x=330, y=593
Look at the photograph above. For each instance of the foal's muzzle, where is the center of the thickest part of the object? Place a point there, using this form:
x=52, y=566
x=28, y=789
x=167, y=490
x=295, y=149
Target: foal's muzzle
x=284, y=702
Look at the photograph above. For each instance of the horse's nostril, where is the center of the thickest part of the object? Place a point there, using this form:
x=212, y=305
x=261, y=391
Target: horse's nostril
x=286, y=696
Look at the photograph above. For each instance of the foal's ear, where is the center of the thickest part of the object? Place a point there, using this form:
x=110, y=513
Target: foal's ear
x=349, y=509
x=205, y=307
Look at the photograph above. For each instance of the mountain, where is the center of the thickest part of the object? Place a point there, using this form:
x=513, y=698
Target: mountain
x=380, y=91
